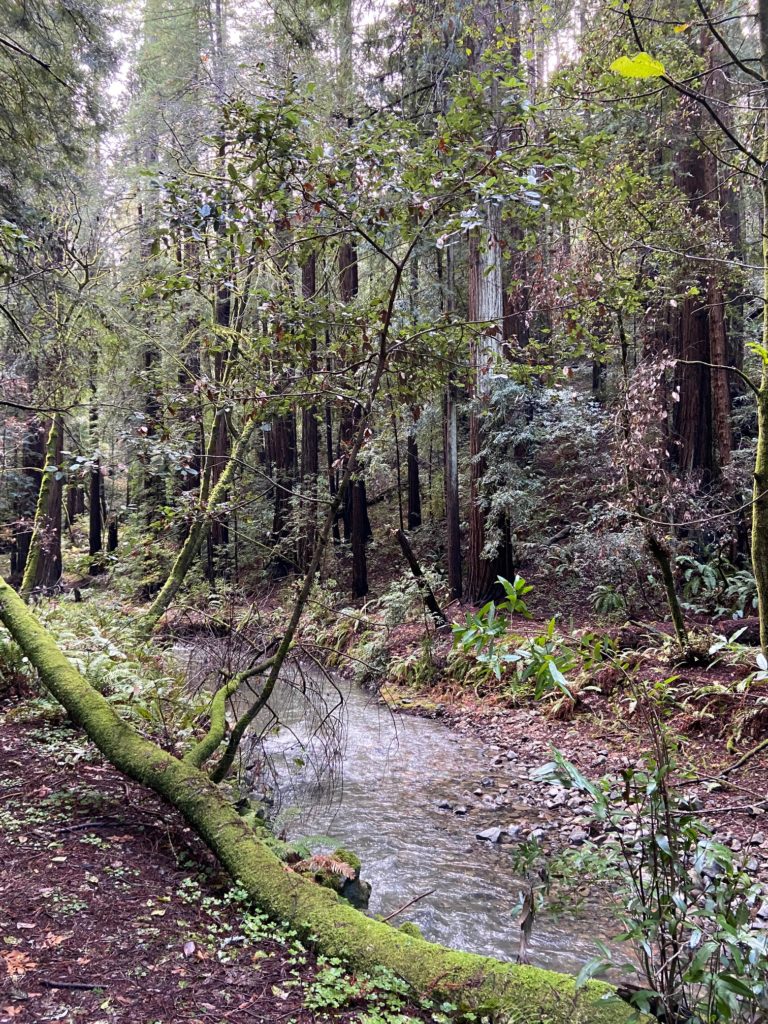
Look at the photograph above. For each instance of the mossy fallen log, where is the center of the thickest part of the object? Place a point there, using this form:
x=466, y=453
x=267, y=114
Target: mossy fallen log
x=527, y=995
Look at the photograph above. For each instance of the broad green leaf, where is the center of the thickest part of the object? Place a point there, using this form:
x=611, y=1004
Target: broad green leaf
x=642, y=65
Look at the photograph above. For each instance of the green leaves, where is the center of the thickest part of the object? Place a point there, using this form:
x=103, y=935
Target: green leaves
x=642, y=65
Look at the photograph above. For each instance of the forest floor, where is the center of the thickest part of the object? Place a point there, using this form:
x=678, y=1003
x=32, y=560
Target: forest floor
x=111, y=910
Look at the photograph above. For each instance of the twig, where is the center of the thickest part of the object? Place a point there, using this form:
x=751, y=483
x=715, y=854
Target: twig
x=406, y=905
x=78, y=986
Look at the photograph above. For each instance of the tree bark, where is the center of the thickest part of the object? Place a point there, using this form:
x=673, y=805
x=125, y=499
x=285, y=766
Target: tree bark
x=486, y=310
x=310, y=436
x=414, y=489
x=450, y=442
x=760, y=490
x=43, y=563
x=95, y=541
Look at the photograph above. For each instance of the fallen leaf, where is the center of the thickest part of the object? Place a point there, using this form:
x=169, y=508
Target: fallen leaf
x=18, y=963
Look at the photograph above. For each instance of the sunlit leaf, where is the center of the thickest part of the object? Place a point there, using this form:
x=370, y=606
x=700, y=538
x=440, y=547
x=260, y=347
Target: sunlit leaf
x=642, y=65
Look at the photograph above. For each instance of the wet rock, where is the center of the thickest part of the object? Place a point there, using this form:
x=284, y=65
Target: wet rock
x=490, y=835
x=357, y=892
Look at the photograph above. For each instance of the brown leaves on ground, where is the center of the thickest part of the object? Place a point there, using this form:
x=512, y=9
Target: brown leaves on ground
x=90, y=896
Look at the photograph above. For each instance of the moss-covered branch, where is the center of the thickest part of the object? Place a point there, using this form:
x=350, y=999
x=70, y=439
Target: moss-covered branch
x=199, y=529
x=526, y=993
x=210, y=743
x=41, y=509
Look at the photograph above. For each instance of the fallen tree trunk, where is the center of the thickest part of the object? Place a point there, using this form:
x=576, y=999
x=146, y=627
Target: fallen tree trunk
x=528, y=994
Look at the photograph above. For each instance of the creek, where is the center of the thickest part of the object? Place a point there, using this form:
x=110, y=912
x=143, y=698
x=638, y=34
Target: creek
x=388, y=786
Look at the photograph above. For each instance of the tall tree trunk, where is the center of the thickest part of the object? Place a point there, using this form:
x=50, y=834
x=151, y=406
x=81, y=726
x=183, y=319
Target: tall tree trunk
x=43, y=565
x=693, y=413
x=153, y=496
x=283, y=442
x=760, y=491
x=718, y=374
x=486, y=309
x=94, y=493
x=414, y=489
x=445, y=274
x=357, y=525
x=310, y=439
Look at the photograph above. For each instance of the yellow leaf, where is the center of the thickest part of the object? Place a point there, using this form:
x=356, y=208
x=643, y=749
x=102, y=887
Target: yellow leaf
x=642, y=65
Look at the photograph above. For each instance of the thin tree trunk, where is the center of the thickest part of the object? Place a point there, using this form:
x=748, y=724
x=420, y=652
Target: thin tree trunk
x=430, y=601
x=310, y=439
x=94, y=496
x=43, y=564
x=356, y=523
x=414, y=489
x=662, y=557
x=718, y=375
x=283, y=436
x=199, y=529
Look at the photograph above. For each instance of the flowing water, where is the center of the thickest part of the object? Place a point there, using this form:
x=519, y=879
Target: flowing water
x=373, y=782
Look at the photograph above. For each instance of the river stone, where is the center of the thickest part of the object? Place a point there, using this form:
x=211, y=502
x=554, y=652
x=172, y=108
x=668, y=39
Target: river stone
x=357, y=892
x=510, y=834
x=491, y=835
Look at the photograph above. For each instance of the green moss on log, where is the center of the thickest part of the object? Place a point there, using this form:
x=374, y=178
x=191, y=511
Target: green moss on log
x=527, y=994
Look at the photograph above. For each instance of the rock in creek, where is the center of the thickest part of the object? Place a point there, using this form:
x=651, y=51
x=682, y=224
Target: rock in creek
x=497, y=834
x=491, y=835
